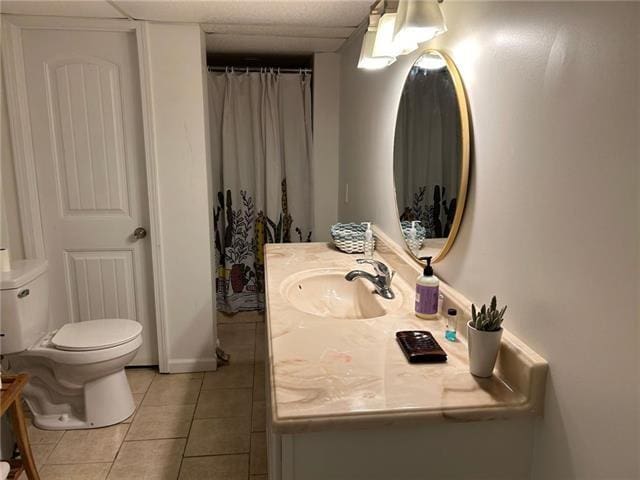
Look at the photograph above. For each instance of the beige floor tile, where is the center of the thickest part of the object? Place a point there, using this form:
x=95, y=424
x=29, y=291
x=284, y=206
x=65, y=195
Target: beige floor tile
x=137, y=400
x=258, y=382
x=180, y=389
x=229, y=376
x=258, y=416
x=260, y=343
x=148, y=460
x=36, y=435
x=219, y=467
x=87, y=471
x=258, y=456
x=240, y=317
x=226, y=402
x=140, y=378
x=218, y=436
x=41, y=452
x=89, y=446
x=168, y=421
x=232, y=335
x=241, y=354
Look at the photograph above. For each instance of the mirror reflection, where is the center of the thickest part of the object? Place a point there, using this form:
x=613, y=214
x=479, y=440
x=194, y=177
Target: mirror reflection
x=431, y=156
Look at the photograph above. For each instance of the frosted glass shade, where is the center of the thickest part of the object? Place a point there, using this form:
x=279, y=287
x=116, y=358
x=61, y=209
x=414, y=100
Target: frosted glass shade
x=385, y=44
x=367, y=59
x=418, y=21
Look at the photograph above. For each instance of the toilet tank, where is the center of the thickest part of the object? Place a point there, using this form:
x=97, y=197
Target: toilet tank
x=24, y=305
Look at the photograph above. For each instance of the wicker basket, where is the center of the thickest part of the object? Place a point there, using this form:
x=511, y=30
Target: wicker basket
x=349, y=237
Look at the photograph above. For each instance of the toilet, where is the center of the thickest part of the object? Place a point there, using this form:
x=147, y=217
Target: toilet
x=77, y=377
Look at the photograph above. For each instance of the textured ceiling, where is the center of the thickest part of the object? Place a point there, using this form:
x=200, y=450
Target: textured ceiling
x=325, y=13
x=92, y=9
x=232, y=26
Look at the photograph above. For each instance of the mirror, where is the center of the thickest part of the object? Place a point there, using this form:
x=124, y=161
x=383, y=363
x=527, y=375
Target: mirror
x=431, y=156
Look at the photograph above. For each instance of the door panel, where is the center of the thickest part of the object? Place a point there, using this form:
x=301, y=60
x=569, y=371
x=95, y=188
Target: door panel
x=83, y=103
x=101, y=285
x=86, y=117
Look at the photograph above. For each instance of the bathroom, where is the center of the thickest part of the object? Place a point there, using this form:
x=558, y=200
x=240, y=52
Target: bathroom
x=247, y=380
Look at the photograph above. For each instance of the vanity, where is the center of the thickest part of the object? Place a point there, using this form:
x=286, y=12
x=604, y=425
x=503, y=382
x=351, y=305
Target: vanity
x=342, y=400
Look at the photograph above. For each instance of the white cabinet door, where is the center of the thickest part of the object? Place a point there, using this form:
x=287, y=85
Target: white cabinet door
x=86, y=118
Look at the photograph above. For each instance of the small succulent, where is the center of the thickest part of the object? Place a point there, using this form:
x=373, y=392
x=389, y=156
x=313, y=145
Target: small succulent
x=487, y=319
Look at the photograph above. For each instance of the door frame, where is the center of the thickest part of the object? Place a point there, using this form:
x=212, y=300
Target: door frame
x=22, y=143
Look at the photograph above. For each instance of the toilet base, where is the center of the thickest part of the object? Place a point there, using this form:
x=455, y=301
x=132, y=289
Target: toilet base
x=107, y=401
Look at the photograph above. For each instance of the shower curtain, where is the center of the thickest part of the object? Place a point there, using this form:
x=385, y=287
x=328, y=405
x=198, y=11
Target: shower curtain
x=261, y=153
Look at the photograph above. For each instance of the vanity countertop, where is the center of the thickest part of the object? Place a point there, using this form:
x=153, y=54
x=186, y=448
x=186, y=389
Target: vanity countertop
x=326, y=373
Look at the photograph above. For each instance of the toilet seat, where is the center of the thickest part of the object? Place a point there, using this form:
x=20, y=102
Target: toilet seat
x=94, y=335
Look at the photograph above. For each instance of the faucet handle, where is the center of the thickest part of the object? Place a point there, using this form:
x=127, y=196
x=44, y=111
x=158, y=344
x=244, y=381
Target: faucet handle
x=379, y=267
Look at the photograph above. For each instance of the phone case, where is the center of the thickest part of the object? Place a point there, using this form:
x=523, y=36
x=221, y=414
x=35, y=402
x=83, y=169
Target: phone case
x=419, y=346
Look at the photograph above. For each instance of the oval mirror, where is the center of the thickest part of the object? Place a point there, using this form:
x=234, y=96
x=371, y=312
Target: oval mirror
x=431, y=156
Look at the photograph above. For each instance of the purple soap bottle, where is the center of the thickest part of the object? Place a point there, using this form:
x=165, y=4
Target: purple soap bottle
x=427, y=290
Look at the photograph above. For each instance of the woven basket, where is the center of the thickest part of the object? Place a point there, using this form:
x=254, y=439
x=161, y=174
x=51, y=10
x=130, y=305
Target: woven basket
x=349, y=237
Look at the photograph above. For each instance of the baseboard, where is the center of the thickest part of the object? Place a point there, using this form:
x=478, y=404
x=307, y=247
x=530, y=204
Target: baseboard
x=188, y=365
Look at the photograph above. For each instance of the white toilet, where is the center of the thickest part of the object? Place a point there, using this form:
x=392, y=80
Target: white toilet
x=77, y=377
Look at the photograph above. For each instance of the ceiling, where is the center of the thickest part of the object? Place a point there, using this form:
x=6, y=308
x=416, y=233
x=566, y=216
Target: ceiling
x=232, y=26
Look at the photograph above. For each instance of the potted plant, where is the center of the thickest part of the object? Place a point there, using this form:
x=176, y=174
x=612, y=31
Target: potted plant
x=485, y=333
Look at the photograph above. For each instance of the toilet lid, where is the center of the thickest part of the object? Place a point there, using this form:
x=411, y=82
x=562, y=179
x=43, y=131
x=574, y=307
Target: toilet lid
x=96, y=334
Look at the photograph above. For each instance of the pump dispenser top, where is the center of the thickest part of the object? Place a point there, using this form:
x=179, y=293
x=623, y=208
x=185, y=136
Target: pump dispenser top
x=428, y=269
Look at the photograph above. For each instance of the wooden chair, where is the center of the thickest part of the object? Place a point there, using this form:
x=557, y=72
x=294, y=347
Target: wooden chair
x=11, y=400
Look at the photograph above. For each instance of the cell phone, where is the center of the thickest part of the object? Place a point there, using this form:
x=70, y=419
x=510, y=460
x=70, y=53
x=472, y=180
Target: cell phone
x=419, y=346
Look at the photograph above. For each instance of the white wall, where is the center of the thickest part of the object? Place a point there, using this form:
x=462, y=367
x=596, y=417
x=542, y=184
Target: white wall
x=552, y=219
x=326, y=129
x=180, y=138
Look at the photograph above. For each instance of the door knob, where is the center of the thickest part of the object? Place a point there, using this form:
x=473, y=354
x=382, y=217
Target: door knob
x=139, y=233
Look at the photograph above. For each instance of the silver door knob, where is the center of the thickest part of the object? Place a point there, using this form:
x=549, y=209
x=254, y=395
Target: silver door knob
x=139, y=233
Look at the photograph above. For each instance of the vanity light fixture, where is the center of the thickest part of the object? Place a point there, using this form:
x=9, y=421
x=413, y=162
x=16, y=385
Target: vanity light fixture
x=390, y=33
x=418, y=21
x=369, y=60
x=385, y=45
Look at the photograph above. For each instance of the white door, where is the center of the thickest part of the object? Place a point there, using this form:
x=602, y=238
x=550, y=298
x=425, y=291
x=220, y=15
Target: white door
x=86, y=117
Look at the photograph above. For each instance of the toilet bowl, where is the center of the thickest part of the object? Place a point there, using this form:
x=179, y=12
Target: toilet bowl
x=77, y=377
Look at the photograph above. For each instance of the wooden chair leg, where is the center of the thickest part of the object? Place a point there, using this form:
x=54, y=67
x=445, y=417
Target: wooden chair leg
x=22, y=437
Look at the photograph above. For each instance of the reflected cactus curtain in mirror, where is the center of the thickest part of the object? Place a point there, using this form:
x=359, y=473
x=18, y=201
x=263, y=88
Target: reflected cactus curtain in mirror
x=261, y=138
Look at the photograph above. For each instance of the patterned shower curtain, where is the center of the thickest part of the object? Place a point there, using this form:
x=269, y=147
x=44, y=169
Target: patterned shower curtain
x=261, y=152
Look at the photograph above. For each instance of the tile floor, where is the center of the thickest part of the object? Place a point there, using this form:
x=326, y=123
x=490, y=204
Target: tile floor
x=192, y=426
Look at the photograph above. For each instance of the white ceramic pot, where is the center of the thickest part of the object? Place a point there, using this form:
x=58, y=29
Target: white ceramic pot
x=483, y=351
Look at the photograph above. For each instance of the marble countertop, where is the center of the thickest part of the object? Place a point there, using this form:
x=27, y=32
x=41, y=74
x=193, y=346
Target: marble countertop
x=326, y=373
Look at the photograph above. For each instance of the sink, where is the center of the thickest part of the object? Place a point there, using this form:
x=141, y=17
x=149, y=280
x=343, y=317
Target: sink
x=326, y=293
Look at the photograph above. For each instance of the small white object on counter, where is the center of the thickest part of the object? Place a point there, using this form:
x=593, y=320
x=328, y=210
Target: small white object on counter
x=369, y=242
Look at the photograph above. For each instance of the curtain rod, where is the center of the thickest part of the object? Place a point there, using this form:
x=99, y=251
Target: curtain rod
x=258, y=69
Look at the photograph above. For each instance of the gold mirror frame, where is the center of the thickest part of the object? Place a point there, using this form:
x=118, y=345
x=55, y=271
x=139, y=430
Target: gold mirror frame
x=463, y=110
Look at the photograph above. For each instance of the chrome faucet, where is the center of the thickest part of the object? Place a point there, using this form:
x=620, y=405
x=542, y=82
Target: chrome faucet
x=381, y=281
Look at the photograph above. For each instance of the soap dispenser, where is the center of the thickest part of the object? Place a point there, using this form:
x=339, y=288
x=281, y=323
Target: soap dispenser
x=427, y=289
x=369, y=242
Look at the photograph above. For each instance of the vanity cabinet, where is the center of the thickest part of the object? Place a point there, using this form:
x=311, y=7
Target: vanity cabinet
x=343, y=402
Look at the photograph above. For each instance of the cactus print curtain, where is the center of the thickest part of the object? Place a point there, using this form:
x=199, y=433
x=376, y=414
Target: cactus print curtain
x=260, y=126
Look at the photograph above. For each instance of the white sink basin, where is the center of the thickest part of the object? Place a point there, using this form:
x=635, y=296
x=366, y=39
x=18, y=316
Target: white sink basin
x=326, y=293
